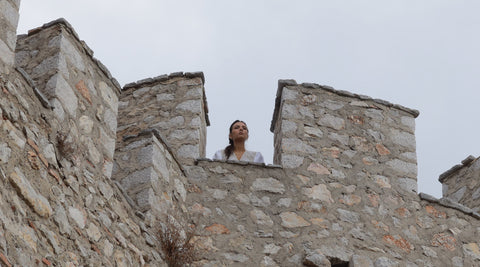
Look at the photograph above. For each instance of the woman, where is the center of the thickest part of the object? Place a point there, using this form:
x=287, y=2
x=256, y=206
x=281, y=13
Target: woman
x=236, y=149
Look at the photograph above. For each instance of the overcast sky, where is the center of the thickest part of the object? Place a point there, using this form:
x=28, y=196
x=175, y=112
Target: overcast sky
x=423, y=55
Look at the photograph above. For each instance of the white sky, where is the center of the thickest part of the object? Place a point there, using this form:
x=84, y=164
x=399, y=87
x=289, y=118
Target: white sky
x=420, y=54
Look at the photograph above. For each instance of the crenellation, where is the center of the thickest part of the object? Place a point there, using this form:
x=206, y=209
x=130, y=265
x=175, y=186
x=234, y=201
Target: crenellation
x=96, y=172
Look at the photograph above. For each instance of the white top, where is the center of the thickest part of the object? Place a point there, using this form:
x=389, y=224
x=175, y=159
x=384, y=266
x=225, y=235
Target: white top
x=250, y=156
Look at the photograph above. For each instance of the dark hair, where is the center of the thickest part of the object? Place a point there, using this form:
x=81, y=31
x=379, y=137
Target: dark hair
x=229, y=149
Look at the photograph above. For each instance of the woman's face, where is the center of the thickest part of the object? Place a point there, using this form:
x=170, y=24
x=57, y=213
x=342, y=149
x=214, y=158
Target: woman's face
x=239, y=132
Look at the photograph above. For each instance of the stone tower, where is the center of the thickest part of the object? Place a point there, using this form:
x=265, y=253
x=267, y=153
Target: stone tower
x=90, y=171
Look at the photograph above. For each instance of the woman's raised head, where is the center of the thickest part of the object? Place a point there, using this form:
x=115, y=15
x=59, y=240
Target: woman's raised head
x=238, y=131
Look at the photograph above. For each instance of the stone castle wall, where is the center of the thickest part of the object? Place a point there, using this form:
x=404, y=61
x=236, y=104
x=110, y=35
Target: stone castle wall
x=345, y=192
x=462, y=183
x=58, y=125
x=78, y=190
x=8, y=35
x=173, y=104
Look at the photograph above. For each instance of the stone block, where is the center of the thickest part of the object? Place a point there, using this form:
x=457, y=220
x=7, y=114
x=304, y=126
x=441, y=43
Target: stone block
x=260, y=218
x=139, y=180
x=268, y=185
x=407, y=184
x=402, y=138
x=189, y=151
x=38, y=202
x=58, y=88
x=315, y=259
x=319, y=192
x=291, y=161
x=108, y=95
x=333, y=122
x=348, y=216
x=403, y=167
x=193, y=106
x=293, y=220
x=78, y=216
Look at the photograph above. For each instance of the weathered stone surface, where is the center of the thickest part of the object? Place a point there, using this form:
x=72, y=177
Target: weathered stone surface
x=403, y=139
x=58, y=88
x=77, y=216
x=235, y=257
x=93, y=232
x=360, y=261
x=333, y=122
x=296, y=145
x=53, y=239
x=403, y=167
x=316, y=260
x=472, y=250
x=217, y=229
x=189, y=151
x=194, y=106
x=259, y=217
x=269, y=185
x=38, y=202
x=347, y=185
x=292, y=220
x=385, y=262
x=407, y=184
x=291, y=161
x=5, y=152
x=319, y=192
x=318, y=169
x=348, y=216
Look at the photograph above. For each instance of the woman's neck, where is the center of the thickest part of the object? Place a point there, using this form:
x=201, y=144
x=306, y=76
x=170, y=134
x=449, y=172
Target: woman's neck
x=239, y=147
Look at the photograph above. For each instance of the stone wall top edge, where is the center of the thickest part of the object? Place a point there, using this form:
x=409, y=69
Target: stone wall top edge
x=467, y=161
x=88, y=51
x=290, y=82
x=241, y=163
x=154, y=132
x=449, y=203
x=164, y=77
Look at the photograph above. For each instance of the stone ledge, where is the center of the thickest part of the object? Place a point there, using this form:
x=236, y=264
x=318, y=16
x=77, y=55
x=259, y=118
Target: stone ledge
x=449, y=203
x=290, y=82
x=86, y=49
x=243, y=163
x=456, y=168
x=164, y=77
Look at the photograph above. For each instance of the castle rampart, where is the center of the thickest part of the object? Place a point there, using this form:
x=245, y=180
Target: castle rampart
x=173, y=104
x=8, y=35
x=462, y=183
x=78, y=190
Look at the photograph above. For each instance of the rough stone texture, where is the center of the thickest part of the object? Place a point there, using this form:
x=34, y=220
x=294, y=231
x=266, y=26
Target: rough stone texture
x=175, y=105
x=78, y=191
x=59, y=205
x=8, y=23
x=462, y=183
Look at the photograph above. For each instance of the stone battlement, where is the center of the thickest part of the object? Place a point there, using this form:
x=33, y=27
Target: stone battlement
x=91, y=172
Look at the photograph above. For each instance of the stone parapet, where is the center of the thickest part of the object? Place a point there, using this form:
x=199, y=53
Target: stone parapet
x=8, y=35
x=345, y=138
x=253, y=215
x=64, y=75
x=461, y=183
x=79, y=191
x=58, y=205
x=150, y=174
x=173, y=104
